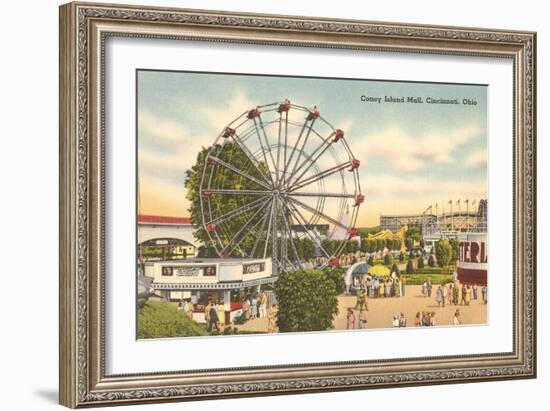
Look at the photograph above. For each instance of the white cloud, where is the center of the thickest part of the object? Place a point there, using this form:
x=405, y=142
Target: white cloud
x=160, y=130
x=477, y=159
x=406, y=153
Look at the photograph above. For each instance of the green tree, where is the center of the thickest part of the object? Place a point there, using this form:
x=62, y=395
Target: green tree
x=414, y=233
x=401, y=256
x=159, y=319
x=336, y=274
x=380, y=244
x=224, y=203
x=305, y=247
x=388, y=260
x=389, y=243
x=454, y=249
x=364, y=245
x=307, y=301
x=396, y=245
x=410, y=268
x=431, y=261
x=352, y=246
x=409, y=244
x=443, y=253
x=371, y=246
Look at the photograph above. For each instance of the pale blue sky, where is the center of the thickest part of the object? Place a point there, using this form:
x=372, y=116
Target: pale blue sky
x=412, y=155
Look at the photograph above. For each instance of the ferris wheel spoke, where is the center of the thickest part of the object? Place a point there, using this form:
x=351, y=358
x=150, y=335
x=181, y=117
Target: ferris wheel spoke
x=330, y=195
x=245, y=225
x=289, y=237
x=301, y=150
x=254, y=231
x=315, y=238
x=268, y=233
x=263, y=149
x=319, y=213
x=278, y=150
x=287, y=164
x=238, y=171
x=317, y=153
x=319, y=176
x=251, y=158
x=238, y=192
x=259, y=236
x=237, y=211
x=268, y=146
x=283, y=175
x=274, y=228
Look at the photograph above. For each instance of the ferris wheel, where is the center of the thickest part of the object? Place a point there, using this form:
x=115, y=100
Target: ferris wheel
x=280, y=181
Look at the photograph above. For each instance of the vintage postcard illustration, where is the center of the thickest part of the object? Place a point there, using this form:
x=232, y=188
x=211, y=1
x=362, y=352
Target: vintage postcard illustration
x=272, y=204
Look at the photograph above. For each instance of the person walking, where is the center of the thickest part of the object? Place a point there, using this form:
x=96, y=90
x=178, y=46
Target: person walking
x=417, y=320
x=468, y=294
x=456, y=318
x=272, y=319
x=429, y=288
x=214, y=319
x=464, y=291
x=455, y=293
x=432, y=319
x=395, y=322
x=450, y=293
x=474, y=291
x=188, y=309
x=484, y=294
x=360, y=303
x=221, y=314
x=263, y=305
x=444, y=291
x=402, y=320
x=246, y=309
x=362, y=319
x=403, y=284
x=425, y=288
x=253, y=308
x=350, y=320
x=439, y=296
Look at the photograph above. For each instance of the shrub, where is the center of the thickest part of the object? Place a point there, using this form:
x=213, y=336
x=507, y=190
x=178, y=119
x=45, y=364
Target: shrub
x=410, y=268
x=420, y=262
x=388, y=260
x=158, y=319
x=431, y=261
x=307, y=301
x=443, y=252
x=336, y=274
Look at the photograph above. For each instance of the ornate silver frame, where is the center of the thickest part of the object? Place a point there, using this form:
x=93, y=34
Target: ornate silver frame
x=83, y=30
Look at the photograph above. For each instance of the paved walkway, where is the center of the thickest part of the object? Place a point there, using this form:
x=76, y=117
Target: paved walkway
x=382, y=310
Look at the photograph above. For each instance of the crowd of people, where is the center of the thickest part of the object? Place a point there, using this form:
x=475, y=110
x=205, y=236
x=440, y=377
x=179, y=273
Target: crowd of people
x=382, y=287
x=394, y=286
x=454, y=293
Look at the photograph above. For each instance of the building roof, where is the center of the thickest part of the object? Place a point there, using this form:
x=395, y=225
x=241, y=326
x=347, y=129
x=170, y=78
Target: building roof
x=163, y=220
x=166, y=242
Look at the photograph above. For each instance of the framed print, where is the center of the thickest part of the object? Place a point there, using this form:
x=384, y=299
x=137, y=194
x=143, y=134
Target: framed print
x=259, y=204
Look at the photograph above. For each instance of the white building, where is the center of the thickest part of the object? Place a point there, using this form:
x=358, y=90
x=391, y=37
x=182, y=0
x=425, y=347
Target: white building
x=209, y=279
x=152, y=227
